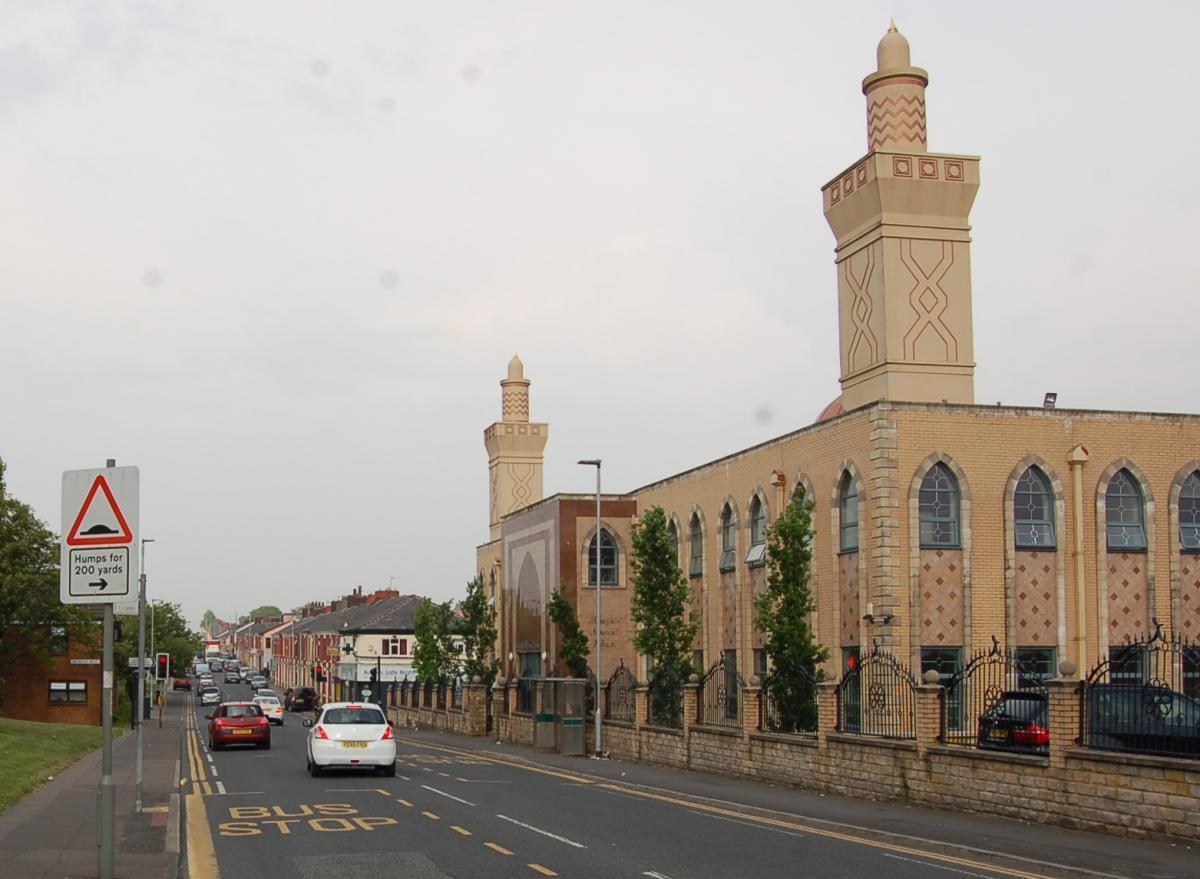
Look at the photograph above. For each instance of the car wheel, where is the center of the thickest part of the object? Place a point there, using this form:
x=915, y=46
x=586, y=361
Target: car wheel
x=389, y=771
x=314, y=770
x=266, y=746
x=213, y=746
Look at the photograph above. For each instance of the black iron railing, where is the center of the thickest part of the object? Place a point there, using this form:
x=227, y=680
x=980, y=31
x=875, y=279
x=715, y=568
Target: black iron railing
x=525, y=695
x=619, y=695
x=1145, y=698
x=665, y=699
x=996, y=702
x=878, y=698
x=719, y=699
x=427, y=696
x=788, y=701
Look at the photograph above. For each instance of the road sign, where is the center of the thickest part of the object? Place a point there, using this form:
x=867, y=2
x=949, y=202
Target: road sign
x=100, y=536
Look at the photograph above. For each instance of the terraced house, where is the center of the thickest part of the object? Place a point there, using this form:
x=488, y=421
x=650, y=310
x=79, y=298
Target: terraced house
x=942, y=525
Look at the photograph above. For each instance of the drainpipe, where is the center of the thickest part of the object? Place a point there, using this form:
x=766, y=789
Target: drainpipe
x=1076, y=458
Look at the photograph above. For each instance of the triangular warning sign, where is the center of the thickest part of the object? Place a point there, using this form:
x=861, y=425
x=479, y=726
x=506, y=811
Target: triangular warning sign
x=105, y=523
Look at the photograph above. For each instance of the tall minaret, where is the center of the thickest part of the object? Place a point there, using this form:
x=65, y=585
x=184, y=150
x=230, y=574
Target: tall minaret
x=903, y=249
x=514, y=447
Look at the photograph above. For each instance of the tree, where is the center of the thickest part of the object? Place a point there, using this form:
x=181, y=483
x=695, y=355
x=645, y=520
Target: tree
x=478, y=628
x=434, y=655
x=572, y=642
x=208, y=620
x=29, y=587
x=783, y=612
x=661, y=598
x=266, y=612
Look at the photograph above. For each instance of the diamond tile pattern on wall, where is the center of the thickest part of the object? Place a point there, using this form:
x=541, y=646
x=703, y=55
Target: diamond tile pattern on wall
x=1189, y=596
x=1036, y=586
x=941, y=598
x=850, y=606
x=1128, y=606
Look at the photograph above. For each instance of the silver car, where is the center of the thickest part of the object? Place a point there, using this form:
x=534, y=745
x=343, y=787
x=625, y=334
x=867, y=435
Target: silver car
x=210, y=696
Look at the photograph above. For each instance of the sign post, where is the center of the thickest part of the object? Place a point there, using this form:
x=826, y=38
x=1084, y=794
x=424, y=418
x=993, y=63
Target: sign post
x=98, y=564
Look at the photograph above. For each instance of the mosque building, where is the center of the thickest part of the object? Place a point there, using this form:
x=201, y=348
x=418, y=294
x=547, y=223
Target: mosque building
x=939, y=523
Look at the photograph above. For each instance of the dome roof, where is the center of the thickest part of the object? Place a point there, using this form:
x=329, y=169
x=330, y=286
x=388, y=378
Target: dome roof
x=833, y=410
x=516, y=369
x=893, y=50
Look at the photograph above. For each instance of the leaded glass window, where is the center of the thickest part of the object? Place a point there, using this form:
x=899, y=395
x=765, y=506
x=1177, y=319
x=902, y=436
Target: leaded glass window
x=1033, y=511
x=696, y=541
x=1189, y=513
x=939, y=508
x=728, y=538
x=758, y=522
x=1125, y=513
x=608, y=560
x=848, y=513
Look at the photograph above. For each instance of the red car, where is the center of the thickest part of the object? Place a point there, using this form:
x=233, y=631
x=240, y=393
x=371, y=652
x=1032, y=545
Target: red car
x=238, y=723
x=182, y=684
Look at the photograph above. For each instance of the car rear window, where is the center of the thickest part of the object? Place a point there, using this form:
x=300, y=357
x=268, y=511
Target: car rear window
x=353, y=715
x=243, y=711
x=267, y=701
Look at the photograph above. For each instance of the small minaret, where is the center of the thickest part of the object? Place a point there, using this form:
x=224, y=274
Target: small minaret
x=900, y=216
x=514, y=446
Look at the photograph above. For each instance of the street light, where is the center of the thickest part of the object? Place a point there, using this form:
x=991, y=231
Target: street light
x=140, y=708
x=595, y=462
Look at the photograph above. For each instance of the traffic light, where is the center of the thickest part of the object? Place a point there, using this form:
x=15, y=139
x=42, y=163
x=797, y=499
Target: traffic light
x=320, y=674
x=162, y=666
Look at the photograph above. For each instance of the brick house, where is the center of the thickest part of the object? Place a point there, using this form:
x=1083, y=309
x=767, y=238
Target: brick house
x=66, y=689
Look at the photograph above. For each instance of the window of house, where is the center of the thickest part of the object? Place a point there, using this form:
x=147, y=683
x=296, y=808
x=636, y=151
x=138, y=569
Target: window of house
x=1189, y=513
x=698, y=661
x=758, y=533
x=696, y=541
x=760, y=663
x=1033, y=511
x=1124, y=513
x=608, y=560
x=848, y=513
x=673, y=533
x=939, y=508
x=1127, y=664
x=1035, y=664
x=67, y=692
x=58, y=640
x=728, y=538
x=395, y=646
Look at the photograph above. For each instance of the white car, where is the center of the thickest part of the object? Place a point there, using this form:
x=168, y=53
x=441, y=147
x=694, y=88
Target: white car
x=350, y=735
x=270, y=707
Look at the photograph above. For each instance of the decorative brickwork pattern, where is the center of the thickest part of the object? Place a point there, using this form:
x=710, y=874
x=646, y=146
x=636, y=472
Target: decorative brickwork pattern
x=1128, y=602
x=1189, y=598
x=850, y=608
x=941, y=597
x=1035, y=592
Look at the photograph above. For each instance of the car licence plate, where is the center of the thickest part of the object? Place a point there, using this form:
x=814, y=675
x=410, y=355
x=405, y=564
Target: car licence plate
x=241, y=732
x=998, y=735
x=354, y=744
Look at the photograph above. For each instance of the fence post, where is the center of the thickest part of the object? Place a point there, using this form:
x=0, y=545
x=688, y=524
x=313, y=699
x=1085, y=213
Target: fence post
x=475, y=695
x=928, y=712
x=751, y=706
x=691, y=703
x=826, y=711
x=1063, y=712
x=641, y=706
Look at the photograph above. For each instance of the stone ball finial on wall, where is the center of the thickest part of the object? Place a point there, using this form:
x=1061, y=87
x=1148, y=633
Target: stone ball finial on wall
x=931, y=677
x=1067, y=668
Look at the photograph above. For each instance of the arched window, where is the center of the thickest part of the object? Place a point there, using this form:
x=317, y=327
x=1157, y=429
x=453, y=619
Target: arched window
x=758, y=532
x=1124, y=513
x=848, y=513
x=696, y=547
x=1033, y=511
x=1189, y=513
x=939, y=509
x=728, y=538
x=608, y=560
x=673, y=533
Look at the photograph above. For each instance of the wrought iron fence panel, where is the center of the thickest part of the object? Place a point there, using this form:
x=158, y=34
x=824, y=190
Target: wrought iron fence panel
x=719, y=700
x=996, y=702
x=525, y=695
x=1145, y=698
x=456, y=693
x=441, y=694
x=788, y=701
x=619, y=695
x=427, y=699
x=664, y=697
x=504, y=699
x=878, y=698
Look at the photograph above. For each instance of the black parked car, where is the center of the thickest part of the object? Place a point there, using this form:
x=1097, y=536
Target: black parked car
x=1149, y=718
x=303, y=699
x=1016, y=721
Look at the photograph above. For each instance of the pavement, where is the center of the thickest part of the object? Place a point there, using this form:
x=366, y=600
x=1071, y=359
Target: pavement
x=52, y=833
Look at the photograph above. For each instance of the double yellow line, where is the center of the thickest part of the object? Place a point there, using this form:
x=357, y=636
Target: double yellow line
x=199, y=775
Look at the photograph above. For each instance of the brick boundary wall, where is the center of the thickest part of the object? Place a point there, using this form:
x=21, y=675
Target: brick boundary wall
x=1128, y=795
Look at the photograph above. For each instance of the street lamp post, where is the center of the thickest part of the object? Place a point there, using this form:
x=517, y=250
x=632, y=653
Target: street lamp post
x=595, y=462
x=140, y=709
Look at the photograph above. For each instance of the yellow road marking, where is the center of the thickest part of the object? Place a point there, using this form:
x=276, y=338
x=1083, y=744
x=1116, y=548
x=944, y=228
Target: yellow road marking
x=545, y=871
x=404, y=803
x=461, y=830
x=444, y=774
x=756, y=819
x=431, y=815
x=499, y=848
x=202, y=858
x=386, y=793
x=207, y=788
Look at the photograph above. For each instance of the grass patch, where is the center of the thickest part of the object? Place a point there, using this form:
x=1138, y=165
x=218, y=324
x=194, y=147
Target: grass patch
x=31, y=752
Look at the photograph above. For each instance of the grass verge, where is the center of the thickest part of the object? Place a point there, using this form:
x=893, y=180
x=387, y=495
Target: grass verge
x=32, y=752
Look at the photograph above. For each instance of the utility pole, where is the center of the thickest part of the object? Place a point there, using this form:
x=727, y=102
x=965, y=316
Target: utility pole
x=140, y=707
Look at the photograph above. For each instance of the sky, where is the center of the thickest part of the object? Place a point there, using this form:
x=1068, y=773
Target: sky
x=278, y=255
